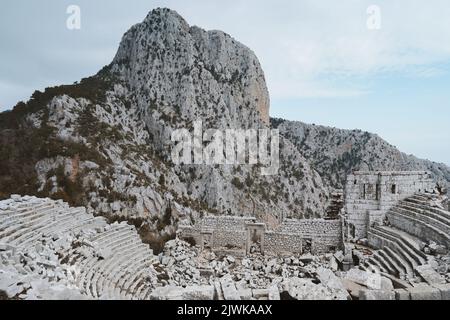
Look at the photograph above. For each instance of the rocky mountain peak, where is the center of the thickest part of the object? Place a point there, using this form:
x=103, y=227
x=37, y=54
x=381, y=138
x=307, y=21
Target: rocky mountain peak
x=105, y=142
x=166, y=16
x=188, y=73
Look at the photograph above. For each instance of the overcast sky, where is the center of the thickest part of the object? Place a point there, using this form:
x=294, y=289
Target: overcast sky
x=322, y=63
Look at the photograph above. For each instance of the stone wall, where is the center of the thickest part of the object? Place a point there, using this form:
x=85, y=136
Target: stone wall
x=189, y=232
x=291, y=237
x=225, y=231
x=283, y=243
x=229, y=239
x=226, y=223
x=325, y=235
x=369, y=195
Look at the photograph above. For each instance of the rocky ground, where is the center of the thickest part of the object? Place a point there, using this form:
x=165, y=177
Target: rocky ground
x=36, y=274
x=252, y=277
x=186, y=273
x=305, y=277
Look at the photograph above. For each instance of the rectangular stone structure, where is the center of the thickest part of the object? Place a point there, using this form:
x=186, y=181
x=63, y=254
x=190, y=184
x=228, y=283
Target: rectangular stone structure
x=369, y=195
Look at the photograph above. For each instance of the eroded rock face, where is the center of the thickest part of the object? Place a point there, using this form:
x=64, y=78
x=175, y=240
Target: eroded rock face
x=189, y=73
x=335, y=153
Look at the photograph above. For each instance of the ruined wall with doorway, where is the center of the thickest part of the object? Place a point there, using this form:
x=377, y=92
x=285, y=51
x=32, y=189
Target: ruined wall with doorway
x=293, y=236
x=225, y=232
x=369, y=195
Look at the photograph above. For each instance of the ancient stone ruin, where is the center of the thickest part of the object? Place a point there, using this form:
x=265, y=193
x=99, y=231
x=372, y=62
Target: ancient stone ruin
x=369, y=195
x=242, y=234
x=51, y=251
x=389, y=241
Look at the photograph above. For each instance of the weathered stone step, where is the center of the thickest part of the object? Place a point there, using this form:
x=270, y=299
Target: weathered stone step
x=395, y=244
x=399, y=271
x=119, y=264
x=395, y=256
x=121, y=272
x=417, y=226
x=56, y=224
x=428, y=206
x=28, y=213
x=97, y=269
x=13, y=221
x=387, y=265
x=137, y=263
x=434, y=214
x=406, y=243
x=111, y=233
x=376, y=264
x=392, y=250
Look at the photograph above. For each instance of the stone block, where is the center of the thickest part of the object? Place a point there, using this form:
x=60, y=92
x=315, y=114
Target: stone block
x=274, y=293
x=402, y=294
x=229, y=289
x=424, y=292
x=245, y=293
x=444, y=289
x=178, y=293
x=427, y=273
x=260, y=293
x=376, y=295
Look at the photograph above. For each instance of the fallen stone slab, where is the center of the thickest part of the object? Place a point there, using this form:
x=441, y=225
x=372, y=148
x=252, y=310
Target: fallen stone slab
x=444, y=289
x=352, y=288
x=260, y=293
x=306, y=258
x=6, y=247
x=373, y=281
x=305, y=289
x=402, y=294
x=42, y=289
x=245, y=293
x=429, y=275
x=104, y=253
x=424, y=292
x=229, y=289
x=195, y=292
x=397, y=283
x=218, y=290
x=329, y=279
x=376, y=295
x=274, y=293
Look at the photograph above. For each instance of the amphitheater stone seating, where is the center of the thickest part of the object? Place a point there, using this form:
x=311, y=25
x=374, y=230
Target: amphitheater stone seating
x=398, y=252
x=421, y=216
x=94, y=258
x=414, y=220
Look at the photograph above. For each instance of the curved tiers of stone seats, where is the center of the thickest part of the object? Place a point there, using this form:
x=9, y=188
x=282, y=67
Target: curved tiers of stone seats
x=418, y=217
x=399, y=254
x=110, y=260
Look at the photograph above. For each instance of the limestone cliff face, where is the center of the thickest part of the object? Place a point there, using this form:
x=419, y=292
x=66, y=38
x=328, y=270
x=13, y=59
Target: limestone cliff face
x=335, y=153
x=189, y=73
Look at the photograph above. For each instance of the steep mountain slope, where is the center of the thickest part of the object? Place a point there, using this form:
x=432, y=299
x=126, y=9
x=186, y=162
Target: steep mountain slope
x=334, y=153
x=105, y=142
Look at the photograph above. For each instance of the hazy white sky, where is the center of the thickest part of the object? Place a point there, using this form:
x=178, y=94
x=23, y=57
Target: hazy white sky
x=322, y=63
